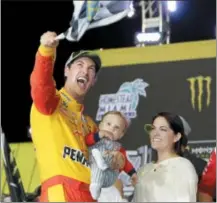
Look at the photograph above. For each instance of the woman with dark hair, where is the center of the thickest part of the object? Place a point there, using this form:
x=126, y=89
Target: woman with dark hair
x=171, y=178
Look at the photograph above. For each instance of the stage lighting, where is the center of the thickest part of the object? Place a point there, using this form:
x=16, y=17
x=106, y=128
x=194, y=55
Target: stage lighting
x=148, y=38
x=171, y=6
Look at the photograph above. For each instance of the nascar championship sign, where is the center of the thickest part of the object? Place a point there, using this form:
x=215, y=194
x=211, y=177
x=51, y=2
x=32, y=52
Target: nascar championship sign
x=140, y=82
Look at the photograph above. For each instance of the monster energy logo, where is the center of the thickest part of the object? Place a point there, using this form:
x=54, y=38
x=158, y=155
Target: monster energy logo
x=197, y=87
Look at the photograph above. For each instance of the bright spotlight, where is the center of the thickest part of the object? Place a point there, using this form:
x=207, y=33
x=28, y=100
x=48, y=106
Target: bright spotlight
x=171, y=6
x=149, y=38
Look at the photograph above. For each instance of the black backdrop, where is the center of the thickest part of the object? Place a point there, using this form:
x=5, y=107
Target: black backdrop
x=168, y=90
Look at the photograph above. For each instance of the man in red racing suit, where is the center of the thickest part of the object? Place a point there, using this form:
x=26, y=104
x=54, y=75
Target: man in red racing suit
x=207, y=185
x=58, y=124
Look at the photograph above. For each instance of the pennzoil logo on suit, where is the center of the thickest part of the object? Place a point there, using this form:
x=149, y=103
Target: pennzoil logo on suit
x=200, y=92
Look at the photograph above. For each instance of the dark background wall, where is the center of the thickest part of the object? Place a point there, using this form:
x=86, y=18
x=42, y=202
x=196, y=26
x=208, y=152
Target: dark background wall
x=168, y=90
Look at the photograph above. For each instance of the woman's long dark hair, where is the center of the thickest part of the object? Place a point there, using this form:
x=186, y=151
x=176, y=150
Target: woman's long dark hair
x=175, y=123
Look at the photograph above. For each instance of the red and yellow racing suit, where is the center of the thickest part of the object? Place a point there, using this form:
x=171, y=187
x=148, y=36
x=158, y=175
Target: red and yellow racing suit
x=207, y=184
x=58, y=132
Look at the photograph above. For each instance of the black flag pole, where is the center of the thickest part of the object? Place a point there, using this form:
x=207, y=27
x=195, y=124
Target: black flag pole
x=12, y=174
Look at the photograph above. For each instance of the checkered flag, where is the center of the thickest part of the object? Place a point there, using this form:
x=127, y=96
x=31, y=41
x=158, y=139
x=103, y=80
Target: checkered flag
x=92, y=14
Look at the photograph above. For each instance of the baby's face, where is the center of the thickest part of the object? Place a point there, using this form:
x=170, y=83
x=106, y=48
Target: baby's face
x=114, y=124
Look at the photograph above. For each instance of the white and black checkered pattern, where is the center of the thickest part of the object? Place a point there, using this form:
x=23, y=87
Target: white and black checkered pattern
x=92, y=14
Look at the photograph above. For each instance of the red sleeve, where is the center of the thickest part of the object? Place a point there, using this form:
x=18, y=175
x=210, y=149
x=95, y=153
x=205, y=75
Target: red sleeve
x=128, y=167
x=208, y=181
x=91, y=139
x=43, y=89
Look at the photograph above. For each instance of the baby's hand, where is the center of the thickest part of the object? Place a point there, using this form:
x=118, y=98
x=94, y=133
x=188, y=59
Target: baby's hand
x=118, y=160
x=134, y=179
x=106, y=134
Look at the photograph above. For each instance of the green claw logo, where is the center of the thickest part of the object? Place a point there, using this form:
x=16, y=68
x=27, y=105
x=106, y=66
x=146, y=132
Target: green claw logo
x=198, y=86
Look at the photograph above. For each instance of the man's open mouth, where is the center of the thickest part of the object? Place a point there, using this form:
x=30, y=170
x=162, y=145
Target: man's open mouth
x=82, y=81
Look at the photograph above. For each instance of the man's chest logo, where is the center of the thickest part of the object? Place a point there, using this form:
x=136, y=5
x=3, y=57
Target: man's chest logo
x=75, y=155
x=76, y=122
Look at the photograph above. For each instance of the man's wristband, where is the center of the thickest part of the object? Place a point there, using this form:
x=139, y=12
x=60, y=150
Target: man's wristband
x=46, y=51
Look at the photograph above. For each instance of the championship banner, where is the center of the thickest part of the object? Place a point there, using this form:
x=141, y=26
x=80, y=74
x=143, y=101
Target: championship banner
x=140, y=85
x=140, y=88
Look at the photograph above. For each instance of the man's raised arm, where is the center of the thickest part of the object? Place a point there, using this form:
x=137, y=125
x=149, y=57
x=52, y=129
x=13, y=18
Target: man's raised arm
x=43, y=88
